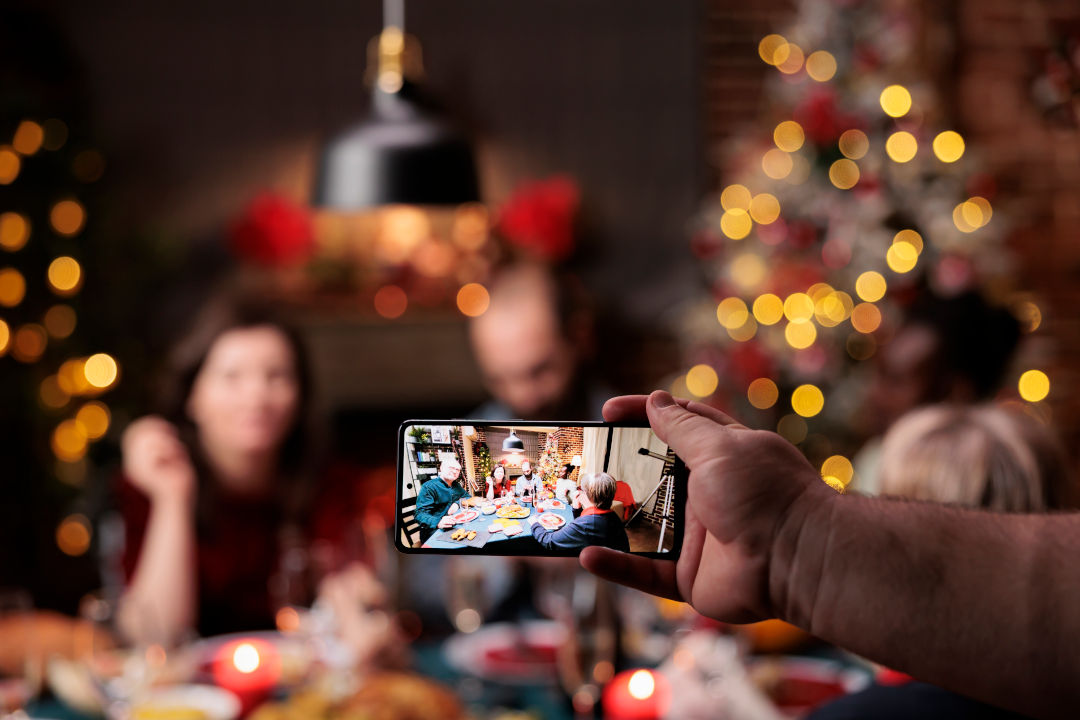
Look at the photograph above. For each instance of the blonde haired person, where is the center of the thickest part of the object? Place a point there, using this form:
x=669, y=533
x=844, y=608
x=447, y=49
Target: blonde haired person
x=596, y=525
x=984, y=456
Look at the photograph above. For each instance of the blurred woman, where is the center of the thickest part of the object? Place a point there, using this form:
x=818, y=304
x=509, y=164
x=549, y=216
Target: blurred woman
x=565, y=487
x=498, y=485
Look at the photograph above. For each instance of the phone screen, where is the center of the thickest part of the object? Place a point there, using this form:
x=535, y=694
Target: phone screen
x=535, y=488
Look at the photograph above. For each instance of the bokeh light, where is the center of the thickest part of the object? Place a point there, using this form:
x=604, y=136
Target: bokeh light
x=774, y=49
x=1029, y=315
x=839, y=467
x=702, y=380
x=800, y=335
x=762, y=393
x=1034, y=385
x=853, y=144
x=865, y=317
x=246, y=658
x=60, y=321
x=67, y=217
x=732, y=312
x=895, y=100
x=799, y=307
x=789, y=136
x=870, y=286
x=14, y=231
x=473, y=299
x=69, y=441
x=794, y=60
x=821, y=66
x=736, y=224
x=73, y=535
x=94, y=417
x=844, y=174
x=100, y=370
x=51, y=394
x=901, y=146
x=743, y=332
x=65, y=275
x=807, y=400
x=735, y=197
x=768, y=309
x=901, y=257
x=12, y=287
x=72, y=377
x=9, y=165
x=28, y=137
x=5, y=337
x=834, y=482
x=948, y=146
x=642, y=685
x=764, y=208
x=30, y=343
x=910, y=237
x=391, y=301
x=792, y=428
x=748, y=270
x=777, y=164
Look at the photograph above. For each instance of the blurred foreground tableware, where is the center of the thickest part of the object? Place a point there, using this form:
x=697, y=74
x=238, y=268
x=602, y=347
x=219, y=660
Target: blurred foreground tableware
x=249, y=667
x=637, y=695
x=507, y=653
x=287, y=658
x=187, y=702
x=381, y=696
x=20, y=651
x=797, y=685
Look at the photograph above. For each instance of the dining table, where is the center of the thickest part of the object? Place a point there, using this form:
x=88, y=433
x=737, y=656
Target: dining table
x=502, y=543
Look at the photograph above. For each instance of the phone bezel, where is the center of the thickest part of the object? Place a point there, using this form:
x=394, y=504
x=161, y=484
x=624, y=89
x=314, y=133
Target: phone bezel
x=679, y=498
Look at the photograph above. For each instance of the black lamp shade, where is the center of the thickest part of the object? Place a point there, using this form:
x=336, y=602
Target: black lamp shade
x=513, y=443
x=404, y=153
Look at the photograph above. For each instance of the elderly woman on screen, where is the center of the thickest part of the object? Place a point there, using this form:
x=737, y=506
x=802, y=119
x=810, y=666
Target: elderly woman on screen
x=596, y=525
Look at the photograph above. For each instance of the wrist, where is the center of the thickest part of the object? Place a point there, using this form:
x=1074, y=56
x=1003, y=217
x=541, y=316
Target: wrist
x=798, y=554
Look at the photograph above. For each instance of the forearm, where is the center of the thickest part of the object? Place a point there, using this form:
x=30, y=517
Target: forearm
x=980, y=603
x=159, y=605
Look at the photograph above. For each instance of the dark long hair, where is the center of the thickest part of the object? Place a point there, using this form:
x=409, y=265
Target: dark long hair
x=297, y=457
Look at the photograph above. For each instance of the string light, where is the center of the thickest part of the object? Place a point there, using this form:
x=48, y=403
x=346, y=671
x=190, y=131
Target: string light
x=12, y=287
x=789, y=136
x=9, y=165
x=702, y=381
x=768, y=309
x=391, y=301
x=69, y=441
x=799, y=307
x=100, y=370
x=94, y=418
x=748, y=270
x=866, y=318
x=800, y=335
x=762, y=393
x=14, y=231
x=774, y=49
x=743, y=332
x=870, y=286
x=30, y=342
x=839, y=467
x=732, y=312
x=910, y=237
x=807, y=400
x=60, y=321
x=777, y=164
x=764, y=208
x=473, y=299
x=735, y=197
x=67, y=217
x=821, y=66
x=901, y=146
x=65, y=275
x=736, y=224
x=853, y=144
x=901, y=257
x=73, y=535
x=28, y=137
x=793, y=62
x=5, y=337
x=844, y=174
x=948, y=146
x=1034, y=385
x=895, y=101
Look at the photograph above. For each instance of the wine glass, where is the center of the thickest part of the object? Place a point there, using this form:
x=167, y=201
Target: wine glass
x=20, y=653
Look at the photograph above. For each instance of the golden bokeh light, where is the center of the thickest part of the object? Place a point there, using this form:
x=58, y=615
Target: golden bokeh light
x=839, y=467
x=844, y=174
x=792, y=428
x=833, y=308
x=764, y=208
x=5, y=337
x=984, y=207
x=9, y=165
x=895, y=100
x=69, y=441
x=473, y=299
x=902, y=257
x=807, y=400
x=793, y=62
x=73, y=535
x=821, y=66
x=910, y=237
x=1034, y=385
x=28, y=137
x=768, y=309
x=736, y=224
x=800, y=170
x=800, y=335
x=762, y=393
x=835, y=483
x=773, y=49
x=748, y=270
x=94, y=417
x=72, y=377
x=14, y=231
x=391, y=301
x=60, y=321
x=702, y=381
x=30, y=343
x=65, y=275
x=865, y=317
x=12, y=287
x=743, y=332
x=948, y=146
x=51, y=394
x=901, y=146
x=100, y=370
x=678, y=388
x=732, y=312
x=67, y=217
x=1027, y=312
x=958, y=220
x=853, y=144
x=735, y=197
x=777, y=164
x=799, y=307
x=789, y=136
x=870, y=286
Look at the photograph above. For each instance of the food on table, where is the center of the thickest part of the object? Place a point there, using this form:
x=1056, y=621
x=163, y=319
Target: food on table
x=511, y=530
x=381, y=696
x=513, y=511
x=495, y=527
x=471, y=535
x=489, y=509
x=551, y=521
x=556, y=504
x=149, y=712
x=472, y=502
x=466, y=516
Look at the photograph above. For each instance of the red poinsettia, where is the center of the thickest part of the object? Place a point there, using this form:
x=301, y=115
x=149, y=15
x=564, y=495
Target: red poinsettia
x=539, y=218
x=273, y=231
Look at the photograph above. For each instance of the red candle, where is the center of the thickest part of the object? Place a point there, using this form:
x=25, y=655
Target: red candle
x=637, y=695
x=248, y=667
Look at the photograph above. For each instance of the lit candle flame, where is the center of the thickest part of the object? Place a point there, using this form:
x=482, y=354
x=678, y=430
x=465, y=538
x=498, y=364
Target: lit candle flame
x=246, y=658
x=642, y=685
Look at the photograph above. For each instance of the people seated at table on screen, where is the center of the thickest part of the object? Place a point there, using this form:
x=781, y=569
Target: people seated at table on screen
x=596, y=525
x=529, y=484
x=565, y=487
x=498, y=484
x=438, y=497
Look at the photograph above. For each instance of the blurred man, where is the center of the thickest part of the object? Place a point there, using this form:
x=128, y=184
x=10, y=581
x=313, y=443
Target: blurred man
x=528, y=484
x=438, y=497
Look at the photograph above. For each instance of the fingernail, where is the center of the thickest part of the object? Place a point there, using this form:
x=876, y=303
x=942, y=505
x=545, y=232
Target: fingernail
x=662, y=399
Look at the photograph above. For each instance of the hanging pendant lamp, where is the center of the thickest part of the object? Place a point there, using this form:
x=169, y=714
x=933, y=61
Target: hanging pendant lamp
x=405, y=152
x=513, y=443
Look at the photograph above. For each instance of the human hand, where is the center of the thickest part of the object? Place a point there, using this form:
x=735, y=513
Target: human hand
x=746, y=487
x=156, y=462
x=452, y=509
x=446, y=522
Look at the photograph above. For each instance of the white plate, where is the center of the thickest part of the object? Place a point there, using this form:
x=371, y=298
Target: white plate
x=468, y=653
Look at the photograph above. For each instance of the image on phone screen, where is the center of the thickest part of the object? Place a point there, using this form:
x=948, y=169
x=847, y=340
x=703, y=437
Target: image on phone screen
x=533, y=488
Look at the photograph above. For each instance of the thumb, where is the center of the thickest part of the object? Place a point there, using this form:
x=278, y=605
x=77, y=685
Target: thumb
x=692, y=436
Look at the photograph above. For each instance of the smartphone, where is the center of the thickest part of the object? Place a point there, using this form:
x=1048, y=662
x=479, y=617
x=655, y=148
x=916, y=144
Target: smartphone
x=537, y=488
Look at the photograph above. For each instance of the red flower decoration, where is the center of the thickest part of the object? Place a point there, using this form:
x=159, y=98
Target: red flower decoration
x=539, y=218
x=273, y=231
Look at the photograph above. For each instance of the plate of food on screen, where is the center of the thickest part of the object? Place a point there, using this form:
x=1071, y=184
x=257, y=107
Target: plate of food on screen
x=551, y=521
x=551, y=505
x=513, y=511
x=466, y=516
x=489, y=509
